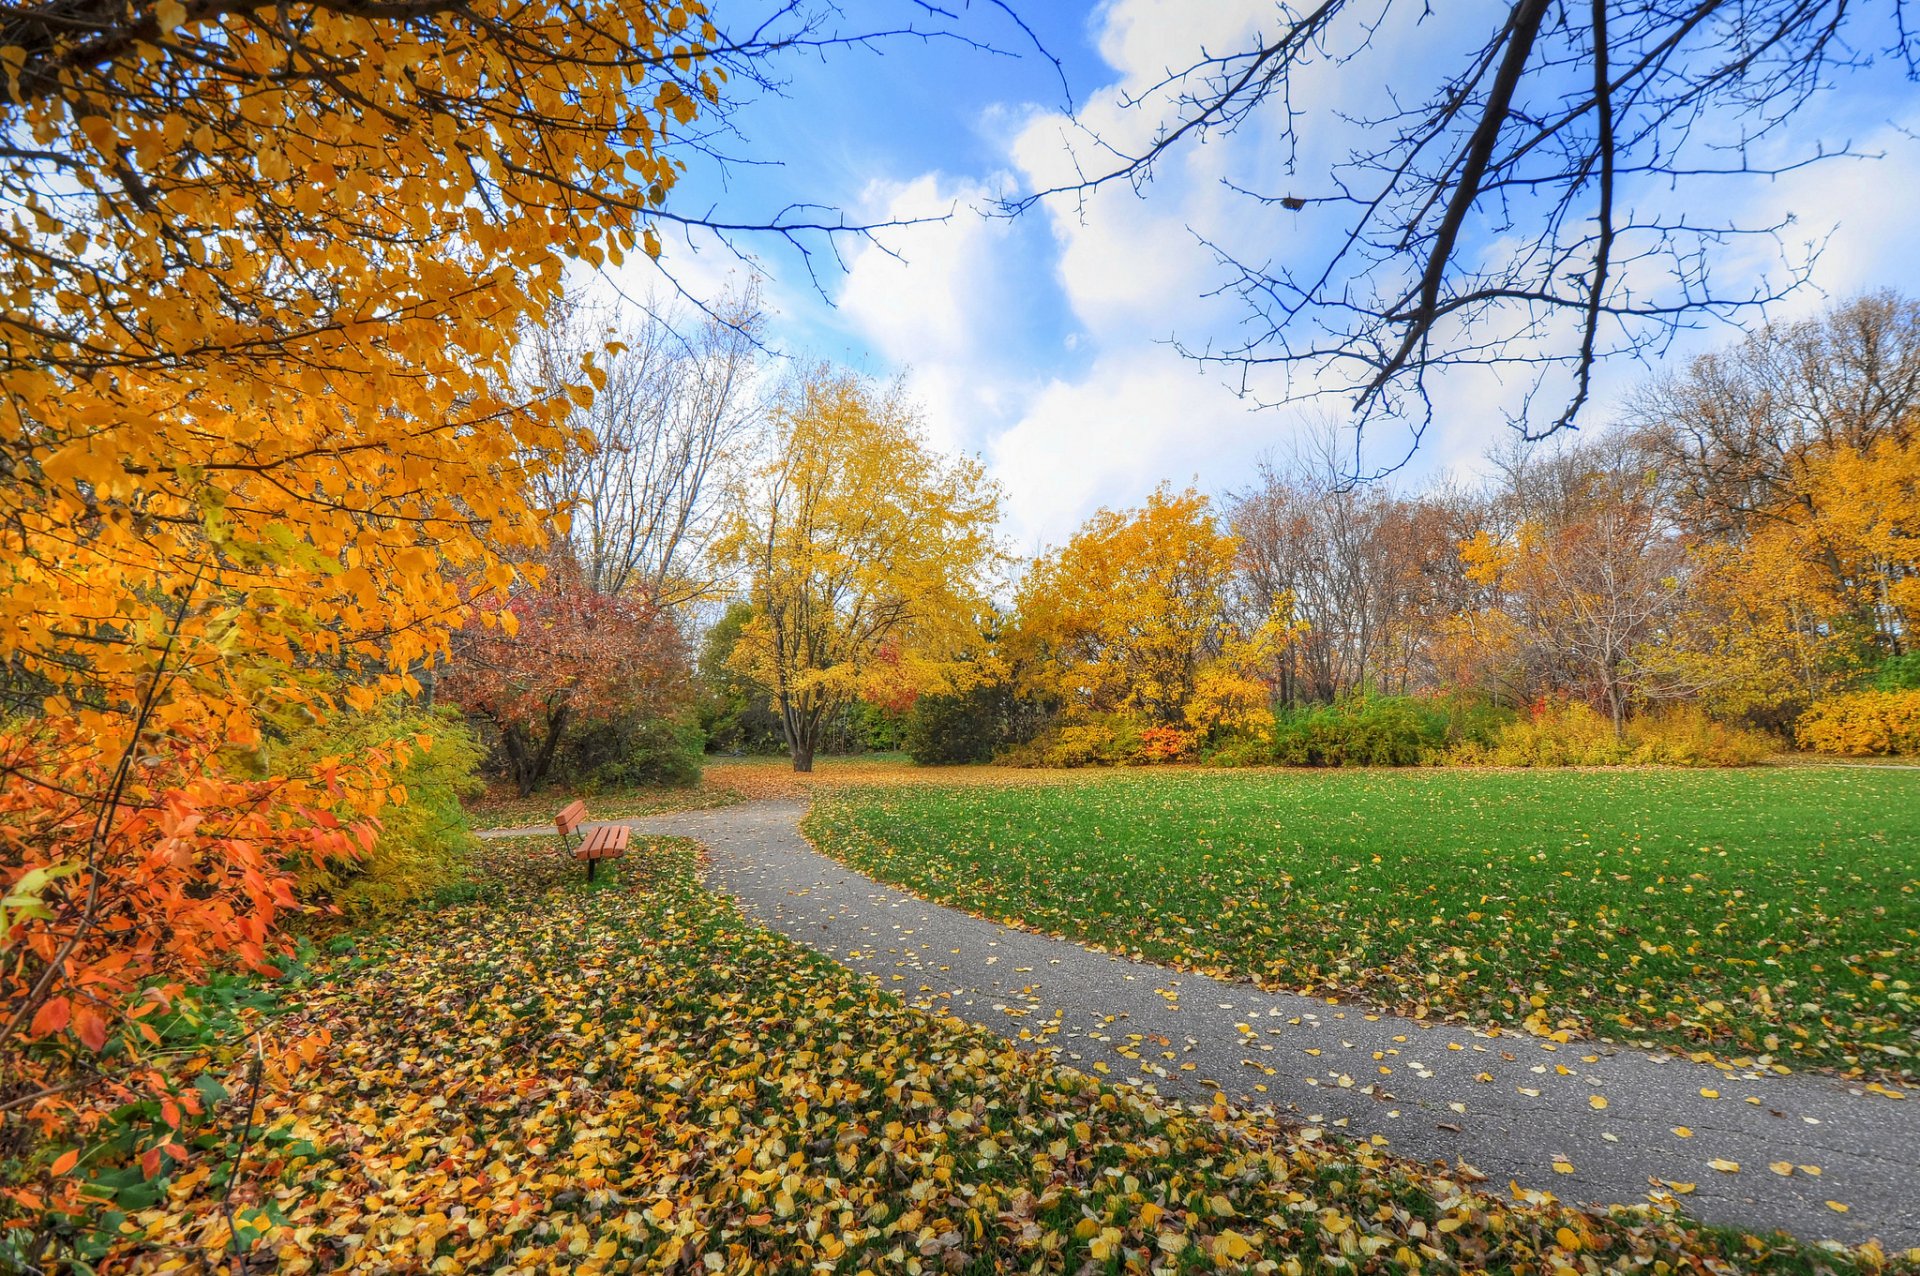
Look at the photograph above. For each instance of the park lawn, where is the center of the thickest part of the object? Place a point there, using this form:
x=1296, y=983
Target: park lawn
x=541, y=1076
x=1768, y=912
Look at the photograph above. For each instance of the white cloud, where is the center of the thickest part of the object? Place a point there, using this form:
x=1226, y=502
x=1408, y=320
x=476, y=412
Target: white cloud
x=1138, y=417
x=1102, y=410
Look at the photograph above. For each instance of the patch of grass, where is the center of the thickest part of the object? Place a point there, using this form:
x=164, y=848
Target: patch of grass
x=503, y=808
x=1772, y=912
x=637, y=1077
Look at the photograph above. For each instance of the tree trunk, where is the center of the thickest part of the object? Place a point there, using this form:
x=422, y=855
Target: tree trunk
x=519, y=765
x=802, y=730
x=543, y=763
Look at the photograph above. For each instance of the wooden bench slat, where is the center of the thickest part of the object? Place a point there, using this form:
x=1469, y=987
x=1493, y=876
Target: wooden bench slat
x=609, y=841
x=570, y=817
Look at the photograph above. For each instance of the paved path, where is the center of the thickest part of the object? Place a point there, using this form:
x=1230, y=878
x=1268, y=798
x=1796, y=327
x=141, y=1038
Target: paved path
x=1512, y=1106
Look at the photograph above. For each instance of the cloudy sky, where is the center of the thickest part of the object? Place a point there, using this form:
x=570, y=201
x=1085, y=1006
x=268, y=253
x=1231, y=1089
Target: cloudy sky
x=1042, y=343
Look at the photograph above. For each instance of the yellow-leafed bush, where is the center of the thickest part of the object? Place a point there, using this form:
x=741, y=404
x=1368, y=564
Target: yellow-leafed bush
x=1573, y=734
x=424, y=838
x=1686, y=736
x=1570, y=734
x=1859, y=723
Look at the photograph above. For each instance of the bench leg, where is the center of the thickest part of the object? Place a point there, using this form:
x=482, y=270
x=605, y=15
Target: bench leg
x=591, y=864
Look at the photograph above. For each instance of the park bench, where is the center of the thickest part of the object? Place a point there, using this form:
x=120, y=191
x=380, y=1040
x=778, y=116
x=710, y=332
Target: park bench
x=607, y=842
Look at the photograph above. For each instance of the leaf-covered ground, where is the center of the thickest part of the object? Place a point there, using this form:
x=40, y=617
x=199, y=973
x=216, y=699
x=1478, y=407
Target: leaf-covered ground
x=504, y=808
x=1771, y=912
x=551, y=1078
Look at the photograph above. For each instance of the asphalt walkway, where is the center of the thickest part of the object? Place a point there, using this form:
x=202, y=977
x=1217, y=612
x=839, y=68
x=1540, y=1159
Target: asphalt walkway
x=1588, y=1122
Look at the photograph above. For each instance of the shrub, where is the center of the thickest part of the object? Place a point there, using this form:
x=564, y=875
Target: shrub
x=1880, y=723
x=635, y=751
x=1554, y=734
x=1686, y=736
x=1240, y=749
x=1573, y=734
x=1115, y=740
x=423, y=840
x=1362, y=731
x=1898, y=673
x=950, y=730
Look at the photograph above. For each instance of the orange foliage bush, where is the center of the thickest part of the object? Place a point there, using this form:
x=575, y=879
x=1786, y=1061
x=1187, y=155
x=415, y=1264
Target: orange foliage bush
x=1878, y=723
x=106, y=923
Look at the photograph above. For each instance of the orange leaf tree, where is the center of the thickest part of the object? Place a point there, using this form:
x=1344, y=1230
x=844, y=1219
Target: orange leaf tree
x=567, y=654
x=264, y=265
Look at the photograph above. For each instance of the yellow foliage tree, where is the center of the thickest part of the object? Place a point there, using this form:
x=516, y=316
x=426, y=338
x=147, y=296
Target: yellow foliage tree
x=1827, y=580
x=866, y=555
x=1131, y=616
x=263, y=267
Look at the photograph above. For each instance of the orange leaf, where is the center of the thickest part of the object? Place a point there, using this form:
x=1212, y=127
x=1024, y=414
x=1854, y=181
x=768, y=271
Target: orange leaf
x=91, y=1027
x=51, y=1017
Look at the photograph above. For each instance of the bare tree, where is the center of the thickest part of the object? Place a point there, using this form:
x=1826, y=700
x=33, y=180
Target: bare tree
x=1596, y=569
x=1516, y=212
x=678, y=396
x=1358, y=563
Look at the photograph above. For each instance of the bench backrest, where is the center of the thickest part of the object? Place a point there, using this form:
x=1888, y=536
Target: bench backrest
x=570, y=816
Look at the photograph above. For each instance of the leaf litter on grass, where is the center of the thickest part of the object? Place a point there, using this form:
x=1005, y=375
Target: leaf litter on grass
x=550, y=1077
x=1769, y=915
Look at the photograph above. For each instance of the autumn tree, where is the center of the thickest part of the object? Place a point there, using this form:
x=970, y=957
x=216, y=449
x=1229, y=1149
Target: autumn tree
x=561, y=655
x=1590, y=572
x=644, y=474
x=1132, y=616
x=1357, y=565
x=865, y=554
x=264, y=268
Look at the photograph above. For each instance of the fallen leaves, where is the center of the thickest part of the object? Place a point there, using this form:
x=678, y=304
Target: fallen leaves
x=554, y=1077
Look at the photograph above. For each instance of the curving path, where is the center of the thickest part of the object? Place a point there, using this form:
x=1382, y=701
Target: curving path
x=1512, y=1106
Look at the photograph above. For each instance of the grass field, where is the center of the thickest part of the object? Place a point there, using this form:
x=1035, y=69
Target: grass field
x=539, y=1076
x=1765, y=912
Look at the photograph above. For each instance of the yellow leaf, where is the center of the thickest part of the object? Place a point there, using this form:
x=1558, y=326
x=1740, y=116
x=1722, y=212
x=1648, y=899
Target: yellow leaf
x=1724, y=1166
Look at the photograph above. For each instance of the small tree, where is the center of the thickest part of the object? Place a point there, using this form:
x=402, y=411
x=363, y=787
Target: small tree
x=562, y=655
x=865, y=552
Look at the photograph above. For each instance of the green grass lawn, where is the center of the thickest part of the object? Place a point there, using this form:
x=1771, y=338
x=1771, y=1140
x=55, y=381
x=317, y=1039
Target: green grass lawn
x=539, y=1076
x=1765, y=912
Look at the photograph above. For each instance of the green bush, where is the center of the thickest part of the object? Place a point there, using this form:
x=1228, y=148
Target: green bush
x=629, y=753
x=957, y=729
x=1239, y=749
x=1898, y=673
x=424, y=840
x=1363, y=731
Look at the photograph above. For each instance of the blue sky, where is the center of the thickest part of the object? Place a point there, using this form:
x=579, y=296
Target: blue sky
x=1041, y=343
